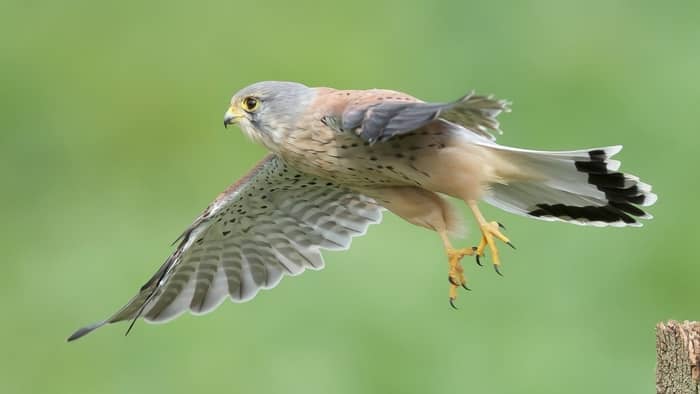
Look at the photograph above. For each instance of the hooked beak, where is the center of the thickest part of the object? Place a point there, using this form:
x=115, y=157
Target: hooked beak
x=231, y=116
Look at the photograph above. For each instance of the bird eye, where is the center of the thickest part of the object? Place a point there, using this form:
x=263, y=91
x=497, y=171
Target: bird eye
x=250, y=104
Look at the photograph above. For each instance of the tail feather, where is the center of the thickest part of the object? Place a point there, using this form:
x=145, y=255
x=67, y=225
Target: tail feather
x=582, y=187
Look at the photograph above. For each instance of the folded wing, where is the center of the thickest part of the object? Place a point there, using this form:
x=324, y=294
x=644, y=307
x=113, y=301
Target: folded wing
x=378, y=120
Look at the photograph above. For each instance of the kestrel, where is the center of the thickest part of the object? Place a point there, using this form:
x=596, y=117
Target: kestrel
x=338, y=159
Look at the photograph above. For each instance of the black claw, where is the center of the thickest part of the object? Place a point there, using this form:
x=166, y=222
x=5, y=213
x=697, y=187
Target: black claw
x=501, y=226
x=465, y=287
x=498, y=271
x=478, y=262
x=452, y=303
x=511, y=245
x=449, y=278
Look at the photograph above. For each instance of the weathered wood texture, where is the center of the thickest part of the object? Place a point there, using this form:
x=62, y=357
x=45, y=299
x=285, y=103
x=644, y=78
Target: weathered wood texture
x=678, y=357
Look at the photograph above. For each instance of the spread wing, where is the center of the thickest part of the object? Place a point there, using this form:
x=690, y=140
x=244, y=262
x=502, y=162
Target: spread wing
x=273, y=222
x=376, y=118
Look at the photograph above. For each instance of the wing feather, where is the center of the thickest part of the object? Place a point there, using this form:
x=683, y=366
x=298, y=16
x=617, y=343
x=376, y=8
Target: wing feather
x=272, y=223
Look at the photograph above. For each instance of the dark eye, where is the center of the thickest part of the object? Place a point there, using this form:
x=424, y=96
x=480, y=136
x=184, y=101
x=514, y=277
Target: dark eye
x=250, y=104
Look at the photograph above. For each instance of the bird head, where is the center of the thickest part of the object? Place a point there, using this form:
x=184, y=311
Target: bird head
x=268, y=111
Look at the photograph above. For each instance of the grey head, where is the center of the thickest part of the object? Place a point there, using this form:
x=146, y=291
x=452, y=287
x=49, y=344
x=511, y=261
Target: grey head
x=268, y=111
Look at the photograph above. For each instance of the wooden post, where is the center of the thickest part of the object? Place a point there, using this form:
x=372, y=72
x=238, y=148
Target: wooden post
x=678, y=357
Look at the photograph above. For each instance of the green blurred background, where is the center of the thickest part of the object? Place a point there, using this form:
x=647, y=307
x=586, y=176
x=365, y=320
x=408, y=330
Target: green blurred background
x=112, y=142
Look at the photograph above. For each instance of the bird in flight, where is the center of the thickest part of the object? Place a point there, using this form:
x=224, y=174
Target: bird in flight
x=338, y=158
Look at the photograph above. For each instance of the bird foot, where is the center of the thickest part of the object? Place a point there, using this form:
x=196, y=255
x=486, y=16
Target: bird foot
x=456, y=271
x=490, y=232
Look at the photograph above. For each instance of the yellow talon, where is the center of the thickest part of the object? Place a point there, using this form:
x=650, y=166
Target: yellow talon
x=456, y=271
x=489, y=231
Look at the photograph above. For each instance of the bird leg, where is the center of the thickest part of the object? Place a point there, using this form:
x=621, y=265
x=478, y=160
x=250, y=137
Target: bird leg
x=455, y=273
x=489, y=231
